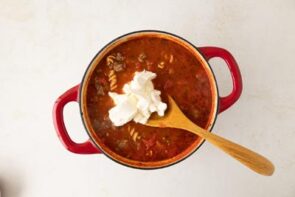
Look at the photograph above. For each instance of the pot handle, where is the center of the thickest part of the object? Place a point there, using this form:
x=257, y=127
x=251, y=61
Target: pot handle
x=58, y=119
x=227, y=101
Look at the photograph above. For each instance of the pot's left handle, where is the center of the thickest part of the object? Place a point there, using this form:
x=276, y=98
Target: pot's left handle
x=80, y=148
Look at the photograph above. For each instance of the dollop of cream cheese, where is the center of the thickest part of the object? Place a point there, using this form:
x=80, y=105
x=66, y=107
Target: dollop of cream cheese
x=138, y=101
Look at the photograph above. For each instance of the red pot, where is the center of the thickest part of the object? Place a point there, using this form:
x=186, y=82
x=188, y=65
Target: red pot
x=76, y=94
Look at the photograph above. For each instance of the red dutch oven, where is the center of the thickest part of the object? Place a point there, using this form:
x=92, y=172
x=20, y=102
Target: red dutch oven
x=76, y=94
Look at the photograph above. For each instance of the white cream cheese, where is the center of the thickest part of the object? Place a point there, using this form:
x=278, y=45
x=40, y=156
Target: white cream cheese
x=138, y=102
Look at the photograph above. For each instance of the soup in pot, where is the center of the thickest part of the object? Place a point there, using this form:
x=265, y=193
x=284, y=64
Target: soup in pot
x=179, y=74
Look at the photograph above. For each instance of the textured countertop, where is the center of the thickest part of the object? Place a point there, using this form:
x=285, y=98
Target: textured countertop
x=45, y=47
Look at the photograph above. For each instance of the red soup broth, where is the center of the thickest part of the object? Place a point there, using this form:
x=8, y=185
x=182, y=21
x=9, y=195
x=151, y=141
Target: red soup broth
x=179, y=74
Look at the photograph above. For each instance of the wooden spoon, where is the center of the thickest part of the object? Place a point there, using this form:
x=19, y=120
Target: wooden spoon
x=174, y=118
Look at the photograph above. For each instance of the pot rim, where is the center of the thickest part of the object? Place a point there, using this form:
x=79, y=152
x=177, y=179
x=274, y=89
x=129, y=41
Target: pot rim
x=175, y=161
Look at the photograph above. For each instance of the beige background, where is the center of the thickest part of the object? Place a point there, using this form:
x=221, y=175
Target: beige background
x=45, y=47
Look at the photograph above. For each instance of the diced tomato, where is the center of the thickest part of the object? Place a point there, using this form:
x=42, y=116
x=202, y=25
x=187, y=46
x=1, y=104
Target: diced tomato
x=149, y=142
x=102, y=81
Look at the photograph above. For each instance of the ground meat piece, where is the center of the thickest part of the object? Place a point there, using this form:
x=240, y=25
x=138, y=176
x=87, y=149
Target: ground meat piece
x=101, y=86
x=119, y=57
x=98, y=71
x=99, y=90
x=116, y=62
x=118, y=67
x=101, y=125
x=122, y=144
x=94, y=99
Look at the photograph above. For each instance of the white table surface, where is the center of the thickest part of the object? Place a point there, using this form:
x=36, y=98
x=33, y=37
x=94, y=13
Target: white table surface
x=45, y=47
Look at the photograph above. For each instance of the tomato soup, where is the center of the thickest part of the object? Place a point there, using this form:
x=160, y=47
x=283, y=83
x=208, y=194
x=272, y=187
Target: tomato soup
x=179, y=74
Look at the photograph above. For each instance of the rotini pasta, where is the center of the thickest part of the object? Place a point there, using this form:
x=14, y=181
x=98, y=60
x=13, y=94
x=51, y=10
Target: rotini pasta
x=113, y=80
x=134, y=137
x=110, y=60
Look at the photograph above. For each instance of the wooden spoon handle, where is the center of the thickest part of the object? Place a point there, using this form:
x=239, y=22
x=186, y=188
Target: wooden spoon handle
x=252, y=160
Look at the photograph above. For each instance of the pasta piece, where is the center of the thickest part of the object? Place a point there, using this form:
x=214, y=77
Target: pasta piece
x=134, y=137
x=112, y=77
x=110, y=60
x=149, y=153
x=132, y=131
x=112, y=72
x=171, y=58
x=113, y=87
x=113, y=80
x=161, y=65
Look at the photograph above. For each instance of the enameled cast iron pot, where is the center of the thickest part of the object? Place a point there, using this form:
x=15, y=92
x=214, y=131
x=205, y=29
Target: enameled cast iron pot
x=76, y=94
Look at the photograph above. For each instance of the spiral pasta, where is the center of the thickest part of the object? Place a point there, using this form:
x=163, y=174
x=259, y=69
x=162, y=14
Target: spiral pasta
x=113, y=80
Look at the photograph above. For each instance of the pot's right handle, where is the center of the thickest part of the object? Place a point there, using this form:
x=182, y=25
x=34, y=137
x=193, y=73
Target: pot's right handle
x=80, y=148
x=227, y=101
